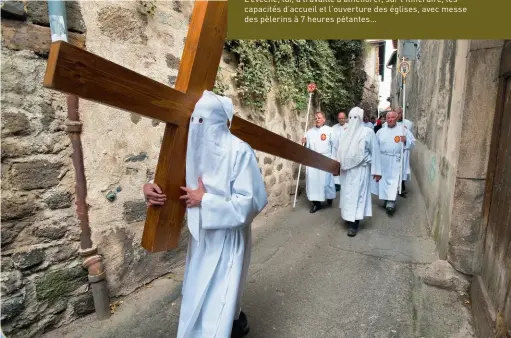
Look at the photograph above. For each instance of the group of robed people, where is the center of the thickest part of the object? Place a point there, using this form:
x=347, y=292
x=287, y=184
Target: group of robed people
x=370, y=163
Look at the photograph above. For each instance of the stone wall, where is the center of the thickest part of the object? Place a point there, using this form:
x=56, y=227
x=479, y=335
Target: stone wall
x=43, y=283
x=121, y=149
x=450, y=98
x=483, y=63
x=429, y=90
x=370, y=98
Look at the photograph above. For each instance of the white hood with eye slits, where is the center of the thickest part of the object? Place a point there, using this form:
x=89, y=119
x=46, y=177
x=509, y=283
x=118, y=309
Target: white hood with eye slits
x=208, y=153
x=351, y=152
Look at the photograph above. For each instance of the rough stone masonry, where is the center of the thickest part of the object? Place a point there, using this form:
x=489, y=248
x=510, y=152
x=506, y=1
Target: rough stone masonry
x=43, y=283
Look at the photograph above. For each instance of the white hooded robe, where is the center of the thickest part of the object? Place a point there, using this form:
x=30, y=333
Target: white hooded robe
x=320, y=184
x=360, y=159
x=220, y=243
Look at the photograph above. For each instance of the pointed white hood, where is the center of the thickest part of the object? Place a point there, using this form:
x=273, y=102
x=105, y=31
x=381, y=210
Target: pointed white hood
x=350, y=154
x=208, y=153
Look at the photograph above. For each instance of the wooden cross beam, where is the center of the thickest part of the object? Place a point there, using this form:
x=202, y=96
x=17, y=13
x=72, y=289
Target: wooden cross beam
x=75, y=71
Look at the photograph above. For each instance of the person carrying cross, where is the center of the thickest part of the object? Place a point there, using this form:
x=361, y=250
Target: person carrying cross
x=225, y=191
x=320, y=184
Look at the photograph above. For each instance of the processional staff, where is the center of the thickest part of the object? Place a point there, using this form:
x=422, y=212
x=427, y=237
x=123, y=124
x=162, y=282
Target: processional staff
x=404, y=68
x=310, y=88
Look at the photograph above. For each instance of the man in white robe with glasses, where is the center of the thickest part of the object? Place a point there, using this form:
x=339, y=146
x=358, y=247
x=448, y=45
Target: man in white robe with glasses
x=391, y=141
x=319, y=184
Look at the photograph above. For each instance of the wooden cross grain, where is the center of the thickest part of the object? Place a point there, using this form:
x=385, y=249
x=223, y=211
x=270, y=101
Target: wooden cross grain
x=75, y=71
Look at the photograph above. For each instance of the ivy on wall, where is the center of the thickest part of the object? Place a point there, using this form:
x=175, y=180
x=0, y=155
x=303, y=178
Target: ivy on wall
x=334, y=65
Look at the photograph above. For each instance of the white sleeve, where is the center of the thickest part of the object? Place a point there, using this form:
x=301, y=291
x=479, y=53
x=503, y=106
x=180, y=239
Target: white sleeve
x=375, y=156
x=335, y=144
x=246, y=202
x=410, y=140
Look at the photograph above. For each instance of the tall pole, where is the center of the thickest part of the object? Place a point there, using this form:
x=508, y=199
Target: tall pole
x=311, y=88
x=401, y=175
x=404, y=68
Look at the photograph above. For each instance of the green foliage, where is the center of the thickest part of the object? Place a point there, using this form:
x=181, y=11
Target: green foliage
x=334, y=65
x=253, y=76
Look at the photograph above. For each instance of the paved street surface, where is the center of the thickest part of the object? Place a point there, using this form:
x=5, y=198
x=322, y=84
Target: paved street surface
x=309, y=279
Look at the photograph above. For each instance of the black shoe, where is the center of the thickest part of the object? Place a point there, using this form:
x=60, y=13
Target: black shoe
x=315, y=208
x=403, y=192
x=329, y=202
x=240, y=326
x=352, y=232
x=243, y=319
x=390, y=207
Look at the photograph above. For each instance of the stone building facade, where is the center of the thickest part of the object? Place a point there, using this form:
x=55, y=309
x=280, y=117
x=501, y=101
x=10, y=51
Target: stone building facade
x=370, y=97
x=451, y=97
x=43, y=283
x=451, y=153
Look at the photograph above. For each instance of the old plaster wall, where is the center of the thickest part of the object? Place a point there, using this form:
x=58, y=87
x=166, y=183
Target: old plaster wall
x=43, y=283
x=430, y=90
x=466, y=239
x=451, y=94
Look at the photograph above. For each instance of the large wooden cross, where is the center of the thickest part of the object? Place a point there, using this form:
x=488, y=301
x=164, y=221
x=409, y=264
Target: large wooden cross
x=75, y=71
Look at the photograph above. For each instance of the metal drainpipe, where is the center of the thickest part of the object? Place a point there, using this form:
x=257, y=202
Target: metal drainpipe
x=92, y=261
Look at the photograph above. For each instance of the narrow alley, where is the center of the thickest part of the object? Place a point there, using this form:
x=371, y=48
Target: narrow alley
x=98, y=99
x=308, y=279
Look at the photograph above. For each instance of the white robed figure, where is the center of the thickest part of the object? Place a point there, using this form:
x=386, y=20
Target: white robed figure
x=220, y=243
x=359, y=157
x=339, y=129
x=407, y=172
x=320, y=184
x=390, y=141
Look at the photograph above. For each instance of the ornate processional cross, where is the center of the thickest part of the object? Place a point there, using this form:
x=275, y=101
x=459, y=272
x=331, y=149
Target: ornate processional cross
x=75, y=71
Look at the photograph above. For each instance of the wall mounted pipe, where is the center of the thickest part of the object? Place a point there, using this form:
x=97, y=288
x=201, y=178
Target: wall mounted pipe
x=92, y=261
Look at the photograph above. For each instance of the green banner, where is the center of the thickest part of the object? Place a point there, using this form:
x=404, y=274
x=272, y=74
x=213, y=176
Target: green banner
x=361, y=19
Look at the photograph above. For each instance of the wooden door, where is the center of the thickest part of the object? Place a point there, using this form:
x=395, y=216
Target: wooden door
x=496, y=267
